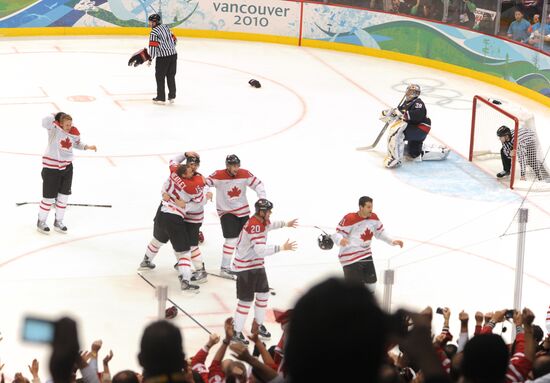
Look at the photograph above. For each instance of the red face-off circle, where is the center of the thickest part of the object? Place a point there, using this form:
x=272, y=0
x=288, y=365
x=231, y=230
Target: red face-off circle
x=81, y=98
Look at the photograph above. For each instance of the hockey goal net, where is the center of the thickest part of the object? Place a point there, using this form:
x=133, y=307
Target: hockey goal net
x=529, y=163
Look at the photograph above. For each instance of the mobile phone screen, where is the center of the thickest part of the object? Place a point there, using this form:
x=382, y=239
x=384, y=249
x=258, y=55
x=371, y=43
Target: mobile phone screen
x=38, y=330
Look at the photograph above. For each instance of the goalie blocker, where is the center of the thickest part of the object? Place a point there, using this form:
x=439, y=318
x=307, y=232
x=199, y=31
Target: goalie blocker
x=409, y=122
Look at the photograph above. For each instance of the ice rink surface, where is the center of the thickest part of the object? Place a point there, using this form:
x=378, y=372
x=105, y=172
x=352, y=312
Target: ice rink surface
x=298, y=134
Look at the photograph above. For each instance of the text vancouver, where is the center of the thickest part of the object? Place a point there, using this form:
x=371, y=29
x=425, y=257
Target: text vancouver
x=251, y=9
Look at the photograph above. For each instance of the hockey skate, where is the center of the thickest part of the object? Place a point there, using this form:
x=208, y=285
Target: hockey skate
x=227, y=273
x=200, y=276
x=158, y=102
x=188, y=287
x=171, y=100
x=503, y=173
x=239, y=337
x=263, y=333
x=42, y=227
x=146, y=264
x=60, y=227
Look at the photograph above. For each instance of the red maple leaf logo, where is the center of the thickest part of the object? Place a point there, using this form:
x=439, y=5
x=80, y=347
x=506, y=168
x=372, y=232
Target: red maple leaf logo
x=235, y=192
x=66, y=143
x=367, y=235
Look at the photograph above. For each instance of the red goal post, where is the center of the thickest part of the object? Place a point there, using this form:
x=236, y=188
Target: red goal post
x=529, y=167
x=487, y=117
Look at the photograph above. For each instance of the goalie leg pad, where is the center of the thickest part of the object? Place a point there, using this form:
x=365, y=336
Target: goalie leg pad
x=396, y=144
x=435, y=153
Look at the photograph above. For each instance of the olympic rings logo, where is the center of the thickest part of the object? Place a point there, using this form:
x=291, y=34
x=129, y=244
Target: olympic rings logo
x=435, y=90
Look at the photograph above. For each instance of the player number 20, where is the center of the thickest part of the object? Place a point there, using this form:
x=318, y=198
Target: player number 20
x=255, y=228
x=255, y=21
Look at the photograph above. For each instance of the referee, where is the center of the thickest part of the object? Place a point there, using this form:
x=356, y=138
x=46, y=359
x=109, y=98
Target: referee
x=162, y=45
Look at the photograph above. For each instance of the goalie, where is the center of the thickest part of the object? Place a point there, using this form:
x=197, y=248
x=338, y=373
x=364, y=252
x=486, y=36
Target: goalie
x=409, y=122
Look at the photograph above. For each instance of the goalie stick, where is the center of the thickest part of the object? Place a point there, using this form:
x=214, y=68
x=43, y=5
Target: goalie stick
x=377, y=140
x=69, y=204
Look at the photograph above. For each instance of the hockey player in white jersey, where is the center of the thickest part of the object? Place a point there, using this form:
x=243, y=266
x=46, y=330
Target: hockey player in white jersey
x=57, y=169
x=409, y=122
x=170, y=225
x=197, y=194
x=354, y=234
x=248, y=264
x=232, y=205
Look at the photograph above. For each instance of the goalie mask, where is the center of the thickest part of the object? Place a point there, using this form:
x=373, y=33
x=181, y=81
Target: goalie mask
x=412, y=92
x=325, y=242
x=503, y=131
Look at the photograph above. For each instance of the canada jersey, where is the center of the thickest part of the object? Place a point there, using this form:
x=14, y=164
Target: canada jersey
x=231, y=191
x=252, y=245
x=59, y=152
x=359, y=232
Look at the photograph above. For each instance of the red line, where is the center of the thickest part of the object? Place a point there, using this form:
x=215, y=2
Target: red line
x=225, y=146
x=221, y=302
x=105, y=90
x=452, y=249
x=119, y=104
x=350, y=80
x=58, y=244
x=110, y=161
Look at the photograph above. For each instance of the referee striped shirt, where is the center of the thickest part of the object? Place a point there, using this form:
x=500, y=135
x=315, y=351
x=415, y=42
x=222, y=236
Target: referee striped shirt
x=162, y=42
x=527, y=152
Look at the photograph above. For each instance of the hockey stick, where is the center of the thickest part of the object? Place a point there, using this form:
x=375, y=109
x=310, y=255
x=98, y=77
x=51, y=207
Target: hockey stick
x=176, y=305
x=317, y=227
x=69, y=204
x=377, y=140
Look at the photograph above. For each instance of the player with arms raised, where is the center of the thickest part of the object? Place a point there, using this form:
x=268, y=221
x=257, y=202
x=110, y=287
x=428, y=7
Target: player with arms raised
x=248, y=264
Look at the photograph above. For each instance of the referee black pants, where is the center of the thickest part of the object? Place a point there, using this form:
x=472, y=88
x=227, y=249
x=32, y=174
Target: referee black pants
x=165, y=68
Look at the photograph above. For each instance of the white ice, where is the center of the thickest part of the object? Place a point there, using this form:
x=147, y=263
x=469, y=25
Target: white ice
x=298, y=134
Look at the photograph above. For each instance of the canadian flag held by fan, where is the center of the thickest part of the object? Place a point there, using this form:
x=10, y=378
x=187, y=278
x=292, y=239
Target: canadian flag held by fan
x=139, y=57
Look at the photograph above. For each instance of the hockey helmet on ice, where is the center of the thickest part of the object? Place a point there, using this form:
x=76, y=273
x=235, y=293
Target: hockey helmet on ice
x=503, y=131
x=255, y=83
x=232, y=159
x=155, y=18
x=325, y=242
x=171, y=312
x=263, y=205
x=412, y=92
